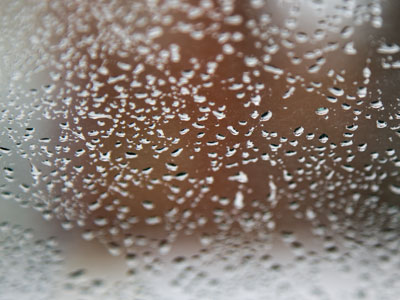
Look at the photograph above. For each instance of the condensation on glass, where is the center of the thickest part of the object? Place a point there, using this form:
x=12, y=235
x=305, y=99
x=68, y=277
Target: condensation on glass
x=211, y=149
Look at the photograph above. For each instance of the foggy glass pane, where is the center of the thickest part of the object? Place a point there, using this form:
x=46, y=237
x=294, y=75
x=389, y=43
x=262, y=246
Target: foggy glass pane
x=211, y=149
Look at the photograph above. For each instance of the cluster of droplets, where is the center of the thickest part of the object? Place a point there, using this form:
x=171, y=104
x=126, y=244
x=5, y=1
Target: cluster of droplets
x=29, y=267
x=149, y=122
x=293, y=269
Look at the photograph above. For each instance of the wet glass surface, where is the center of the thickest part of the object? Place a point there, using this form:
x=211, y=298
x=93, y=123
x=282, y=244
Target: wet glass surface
x=199, y=149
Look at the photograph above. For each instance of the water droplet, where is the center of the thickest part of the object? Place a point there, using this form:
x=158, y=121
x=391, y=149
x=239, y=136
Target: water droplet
x=322, y=111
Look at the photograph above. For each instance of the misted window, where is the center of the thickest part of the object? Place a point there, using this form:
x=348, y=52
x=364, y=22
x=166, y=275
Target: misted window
x=211, y=149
